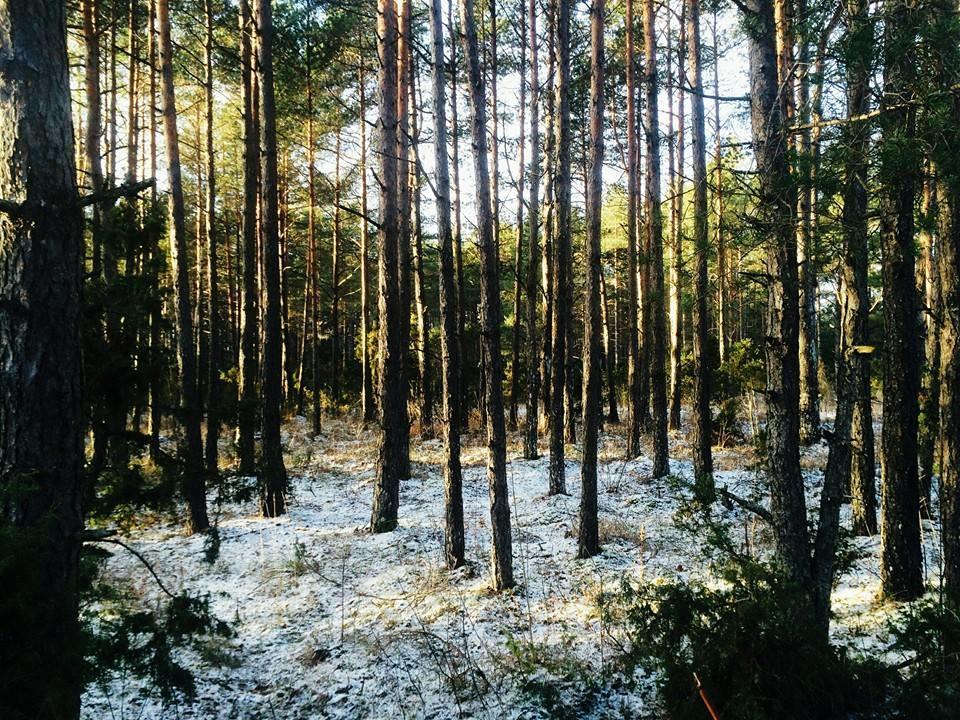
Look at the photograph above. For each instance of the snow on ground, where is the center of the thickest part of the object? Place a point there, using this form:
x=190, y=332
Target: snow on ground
x=333, y=622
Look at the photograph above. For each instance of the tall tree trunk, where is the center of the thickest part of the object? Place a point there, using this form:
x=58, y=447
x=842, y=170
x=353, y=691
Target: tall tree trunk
x=723, y=324
x=948, y=230
x=390, y=447
x=530, y=450
x=702, y=421
x=633, y=289
x=562, y=243
x=41, y=423
x=900, y=574
x=657, y=319
x=462, y=414
x=367, y=375
x=609, y=350
x=213, y=294
x=809, y=351
x=404, y=59
x=419, y=279
x=490, y=315
x=156, y=385
x=518, y=250
x=454, y=545
x=676, y=229
x=250, y=312
x=775, y=209
x=273, y=485
x=853, y=364
x=335, y=252
x=588, y=538
x=194, y=485
x=929, y=289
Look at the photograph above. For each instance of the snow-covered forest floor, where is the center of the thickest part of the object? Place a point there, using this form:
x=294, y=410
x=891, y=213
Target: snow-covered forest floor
x=332, y=622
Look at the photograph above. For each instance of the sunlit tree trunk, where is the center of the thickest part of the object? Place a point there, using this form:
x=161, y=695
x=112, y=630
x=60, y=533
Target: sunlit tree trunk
x=490, y=315
x=454, y=550
x=633, y=290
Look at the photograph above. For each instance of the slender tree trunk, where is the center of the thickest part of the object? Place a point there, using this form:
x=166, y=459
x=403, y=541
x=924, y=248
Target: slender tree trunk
x=335, y=252
x=588, y=538
x=901, y=575
x=633, y=289
x=462, y=414
x=404, y=59
x=809, y=350
x=274, y=474
x=41, y=423
x=853, y=364
x=562, y=243
x=390, y=447
x=490, y=315
x=194, y=485
x=250, y=312
x=657, y=319
x=454, y=545
x=723, y=324
x=155, y=312
x=929, y=289
x=213, y=380
x=609, y=350
x=676, y=230
x=518, y=250
x=530, y=450
x=702, y=421
x=419, y=280
x=367, y=375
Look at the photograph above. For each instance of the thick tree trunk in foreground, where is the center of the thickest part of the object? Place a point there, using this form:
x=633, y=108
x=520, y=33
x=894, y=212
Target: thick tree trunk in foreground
x=453, y=545
x=41, y=423
x=502, y=553
x=900, y=570
x=655, y=292
x=194, y=485
x=775, y=210
x=702, y=421
x=274, y=475
x=390, y=446
x=588, y=538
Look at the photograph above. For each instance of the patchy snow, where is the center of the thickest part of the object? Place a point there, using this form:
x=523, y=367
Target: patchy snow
x=333, y=622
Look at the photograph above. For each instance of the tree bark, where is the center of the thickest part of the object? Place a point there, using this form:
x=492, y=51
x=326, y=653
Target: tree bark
x=41, y=423
x=250, y=312
x=390, y=447
x=367, y=403
x=531, y=434
x=562, y=242
x=775, y=209
x=273, y=486
x=518, y=249
x=194, y=484
x=702, y=420
x=214, y=391
x=676, y=226
x=454, y=545
x=404, y=59
x=490, y=315
x=900, y=571
x=657, y=319
x=588, y=537
x=853, y=365
x=929, y=289
x=633, y=289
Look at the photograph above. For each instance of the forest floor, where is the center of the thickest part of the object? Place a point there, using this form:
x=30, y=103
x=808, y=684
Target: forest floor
x=333, y=622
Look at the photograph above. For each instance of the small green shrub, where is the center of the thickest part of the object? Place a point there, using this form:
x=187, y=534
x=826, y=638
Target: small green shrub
x=751, y=642
x=553, y=678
